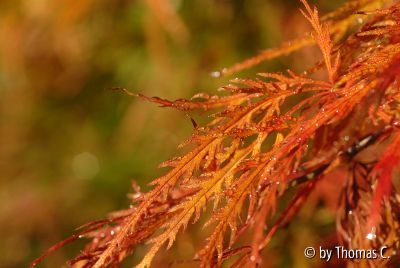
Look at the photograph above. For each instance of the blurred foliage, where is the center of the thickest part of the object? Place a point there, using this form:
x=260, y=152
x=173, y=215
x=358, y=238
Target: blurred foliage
x=70, y=146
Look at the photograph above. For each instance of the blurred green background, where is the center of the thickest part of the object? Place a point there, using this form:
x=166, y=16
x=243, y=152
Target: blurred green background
x=70, y=146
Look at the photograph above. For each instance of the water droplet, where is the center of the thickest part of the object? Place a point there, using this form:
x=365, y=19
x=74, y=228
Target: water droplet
x=136, y=195
x=371, y=235
x=112, y=232
x=346, y=138
x=80, y=236
x=253, y=258
x=350, y=212
x=360, y=20
x=215, y=74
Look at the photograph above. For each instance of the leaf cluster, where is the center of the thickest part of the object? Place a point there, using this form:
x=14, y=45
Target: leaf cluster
x=275, y=134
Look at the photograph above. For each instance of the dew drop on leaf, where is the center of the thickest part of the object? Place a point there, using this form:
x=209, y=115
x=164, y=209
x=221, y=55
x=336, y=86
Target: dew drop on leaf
x=136, y=195
x=350, y=212
x=215, y=74
x=371, y=235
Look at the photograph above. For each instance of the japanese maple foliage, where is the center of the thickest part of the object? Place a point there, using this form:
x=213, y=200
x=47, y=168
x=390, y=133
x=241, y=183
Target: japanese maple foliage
x=256, y=148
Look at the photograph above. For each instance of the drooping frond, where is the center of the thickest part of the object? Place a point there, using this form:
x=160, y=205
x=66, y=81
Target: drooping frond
x=279, y=134
x=338, y=21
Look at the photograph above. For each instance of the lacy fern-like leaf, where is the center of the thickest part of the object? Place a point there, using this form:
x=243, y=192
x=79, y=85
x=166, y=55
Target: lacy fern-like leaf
x=276, y=134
